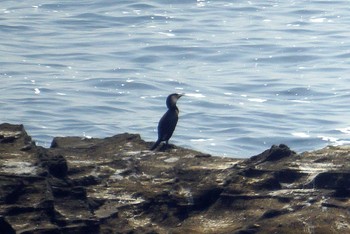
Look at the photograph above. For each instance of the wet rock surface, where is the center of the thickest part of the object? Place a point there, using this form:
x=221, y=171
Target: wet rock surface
x=116, y=185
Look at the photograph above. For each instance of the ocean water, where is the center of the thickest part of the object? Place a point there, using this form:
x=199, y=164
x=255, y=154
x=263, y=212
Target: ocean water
x=256, y=73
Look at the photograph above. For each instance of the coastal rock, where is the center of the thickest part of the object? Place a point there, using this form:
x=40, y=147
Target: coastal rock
x=116, y=185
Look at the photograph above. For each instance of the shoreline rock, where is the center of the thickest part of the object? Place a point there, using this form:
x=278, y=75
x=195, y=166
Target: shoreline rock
x=116, y=185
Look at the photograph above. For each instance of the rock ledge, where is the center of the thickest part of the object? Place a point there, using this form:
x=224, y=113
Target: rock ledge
x=116, y=185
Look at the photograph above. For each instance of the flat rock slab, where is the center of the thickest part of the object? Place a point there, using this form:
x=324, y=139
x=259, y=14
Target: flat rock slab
x=116, y=185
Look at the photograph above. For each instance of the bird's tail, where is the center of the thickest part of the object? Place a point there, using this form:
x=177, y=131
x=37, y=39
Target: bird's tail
x=156, y=144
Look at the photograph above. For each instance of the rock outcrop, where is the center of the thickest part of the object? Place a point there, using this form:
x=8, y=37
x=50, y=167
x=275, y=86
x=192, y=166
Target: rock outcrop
x=116, y=185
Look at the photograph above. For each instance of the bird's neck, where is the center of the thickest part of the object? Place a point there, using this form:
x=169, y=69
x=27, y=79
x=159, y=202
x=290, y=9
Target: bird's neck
x=174, y=108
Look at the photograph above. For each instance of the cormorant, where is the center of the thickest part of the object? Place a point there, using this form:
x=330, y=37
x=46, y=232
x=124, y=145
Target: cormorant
x=167, y=123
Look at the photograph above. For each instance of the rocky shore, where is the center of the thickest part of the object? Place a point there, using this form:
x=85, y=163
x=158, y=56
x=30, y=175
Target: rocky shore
x=116, y=185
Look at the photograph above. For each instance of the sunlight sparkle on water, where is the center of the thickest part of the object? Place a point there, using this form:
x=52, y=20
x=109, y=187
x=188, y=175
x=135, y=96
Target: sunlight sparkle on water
x=196, y=95
x=318, y=20
x=301, y=134
x=344, y=130
x=333, y=140
x=201, y=140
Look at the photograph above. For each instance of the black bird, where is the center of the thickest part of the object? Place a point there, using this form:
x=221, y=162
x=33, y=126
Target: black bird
x=167, y=123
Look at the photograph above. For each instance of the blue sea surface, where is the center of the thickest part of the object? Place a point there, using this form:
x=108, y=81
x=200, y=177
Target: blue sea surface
x=255, y=73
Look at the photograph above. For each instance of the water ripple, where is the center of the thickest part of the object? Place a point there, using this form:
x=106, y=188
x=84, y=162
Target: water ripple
x=256, y=73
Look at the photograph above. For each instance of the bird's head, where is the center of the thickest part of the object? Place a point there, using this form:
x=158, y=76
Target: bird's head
x=172, y=99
